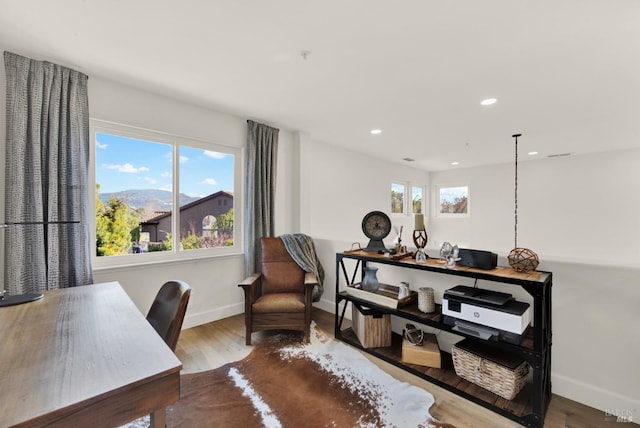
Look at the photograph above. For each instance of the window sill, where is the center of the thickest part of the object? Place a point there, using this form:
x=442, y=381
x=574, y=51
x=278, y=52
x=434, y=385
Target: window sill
x=173, y=261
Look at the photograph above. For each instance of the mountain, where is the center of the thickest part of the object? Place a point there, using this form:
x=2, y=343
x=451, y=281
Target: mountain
x=157, y=200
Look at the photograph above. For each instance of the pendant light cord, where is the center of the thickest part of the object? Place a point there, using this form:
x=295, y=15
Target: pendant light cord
x=515, y=225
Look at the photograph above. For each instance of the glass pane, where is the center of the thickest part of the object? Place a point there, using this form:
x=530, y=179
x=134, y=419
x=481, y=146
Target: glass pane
x=454, y=200
x=397, y=198
x=416, y=198
x=133, y=193
x=206, y=198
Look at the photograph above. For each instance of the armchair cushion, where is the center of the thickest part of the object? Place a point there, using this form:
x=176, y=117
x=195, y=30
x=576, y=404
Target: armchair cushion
x=279, y=302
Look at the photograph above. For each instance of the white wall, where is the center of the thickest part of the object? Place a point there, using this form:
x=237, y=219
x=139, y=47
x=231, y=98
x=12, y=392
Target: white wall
x=578, y=213
x=582, y=208
x=344, y=186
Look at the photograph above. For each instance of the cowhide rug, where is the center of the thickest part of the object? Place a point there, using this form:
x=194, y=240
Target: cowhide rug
x=287, y=383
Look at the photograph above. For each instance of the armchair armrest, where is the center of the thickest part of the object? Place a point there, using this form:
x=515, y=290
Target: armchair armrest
x=250, y=280
x=252, y=286
x=310, y=278
x=310, y=281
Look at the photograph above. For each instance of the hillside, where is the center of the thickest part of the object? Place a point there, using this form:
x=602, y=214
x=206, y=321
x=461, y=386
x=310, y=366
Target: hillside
x=158, y=200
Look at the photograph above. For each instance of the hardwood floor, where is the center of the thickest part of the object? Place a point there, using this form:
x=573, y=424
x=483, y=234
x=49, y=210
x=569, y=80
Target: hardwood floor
x=211, y=345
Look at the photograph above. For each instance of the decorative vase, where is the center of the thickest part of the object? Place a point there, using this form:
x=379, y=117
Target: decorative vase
x=426, y=302
x=370, y=280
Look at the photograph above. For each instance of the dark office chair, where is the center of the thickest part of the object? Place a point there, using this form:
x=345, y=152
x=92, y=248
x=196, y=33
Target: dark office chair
x=167, y=311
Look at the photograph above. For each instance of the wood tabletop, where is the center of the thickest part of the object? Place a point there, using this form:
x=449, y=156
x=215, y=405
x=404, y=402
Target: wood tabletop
x=82, y=356
x=436, y=264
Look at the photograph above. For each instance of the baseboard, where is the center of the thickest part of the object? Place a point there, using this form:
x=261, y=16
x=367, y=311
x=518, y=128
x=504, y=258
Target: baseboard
x=592, y=396
x=199, y=318
x=326, y=305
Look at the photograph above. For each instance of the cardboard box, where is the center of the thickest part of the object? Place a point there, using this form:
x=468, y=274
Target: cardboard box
x=426, y=355
x=372, y=328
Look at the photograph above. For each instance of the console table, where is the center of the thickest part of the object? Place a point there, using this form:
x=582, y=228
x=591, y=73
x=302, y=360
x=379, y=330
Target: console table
x=530, y=405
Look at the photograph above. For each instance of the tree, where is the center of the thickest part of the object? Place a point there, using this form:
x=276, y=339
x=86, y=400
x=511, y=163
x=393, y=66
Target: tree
x=417, y=204
x=224, y=226
x=397, y=199
x=116, y=226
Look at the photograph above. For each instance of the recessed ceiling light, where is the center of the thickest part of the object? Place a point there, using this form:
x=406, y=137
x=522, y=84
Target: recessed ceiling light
x=488, y=101
x=376, y=131
x=532, y=153
x=455, y=163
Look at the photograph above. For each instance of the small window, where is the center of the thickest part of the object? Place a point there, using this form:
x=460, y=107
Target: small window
x=417, y=194
x=453, y=201
x=398, y=192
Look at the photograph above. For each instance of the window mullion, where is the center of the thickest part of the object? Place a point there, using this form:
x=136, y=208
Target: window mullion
x=175, y=217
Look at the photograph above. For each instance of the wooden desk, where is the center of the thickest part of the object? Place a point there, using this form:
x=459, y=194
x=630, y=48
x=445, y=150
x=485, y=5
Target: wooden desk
x=83, y=357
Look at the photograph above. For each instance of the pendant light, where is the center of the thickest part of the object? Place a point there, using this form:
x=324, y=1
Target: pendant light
x=520, y=259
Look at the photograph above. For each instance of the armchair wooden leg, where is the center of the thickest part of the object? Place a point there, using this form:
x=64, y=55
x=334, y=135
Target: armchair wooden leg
x=248, y=336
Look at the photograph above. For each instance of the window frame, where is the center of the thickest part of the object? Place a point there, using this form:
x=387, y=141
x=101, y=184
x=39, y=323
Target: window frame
x=176, y=141
x=438, y=203
x=404, y=197
x=423, y=204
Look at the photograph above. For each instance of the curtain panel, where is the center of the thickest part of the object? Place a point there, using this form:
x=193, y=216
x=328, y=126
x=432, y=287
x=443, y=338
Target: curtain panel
x=46, y=177
x=262, y=142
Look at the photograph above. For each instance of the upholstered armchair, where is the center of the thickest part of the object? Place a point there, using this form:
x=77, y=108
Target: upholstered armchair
x=280, y=295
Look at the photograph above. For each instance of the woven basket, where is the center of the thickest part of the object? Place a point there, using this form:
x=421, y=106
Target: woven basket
x=499, y=379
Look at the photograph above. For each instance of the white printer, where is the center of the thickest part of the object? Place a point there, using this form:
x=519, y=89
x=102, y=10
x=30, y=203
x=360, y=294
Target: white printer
x=487, y=314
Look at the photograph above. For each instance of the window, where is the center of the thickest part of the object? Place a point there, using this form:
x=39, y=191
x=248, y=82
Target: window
x=397, y=198
x=160, y=196
x=453, y=201
x=417, y=200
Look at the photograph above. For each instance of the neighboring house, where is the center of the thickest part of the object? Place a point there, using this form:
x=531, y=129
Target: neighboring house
x=198, y=217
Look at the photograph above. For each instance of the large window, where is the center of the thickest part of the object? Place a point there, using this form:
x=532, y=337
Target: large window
x=159, y=196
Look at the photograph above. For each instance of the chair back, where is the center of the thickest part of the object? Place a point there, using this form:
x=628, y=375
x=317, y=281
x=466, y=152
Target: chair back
x=168, y=309
x=280, y=273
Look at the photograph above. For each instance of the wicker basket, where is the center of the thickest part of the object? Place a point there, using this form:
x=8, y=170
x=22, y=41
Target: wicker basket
x=504, y=375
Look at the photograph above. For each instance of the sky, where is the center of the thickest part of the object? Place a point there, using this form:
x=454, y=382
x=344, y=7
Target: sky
x=124, y=163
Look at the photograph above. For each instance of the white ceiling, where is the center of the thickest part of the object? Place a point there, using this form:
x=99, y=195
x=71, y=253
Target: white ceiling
x=566, y=73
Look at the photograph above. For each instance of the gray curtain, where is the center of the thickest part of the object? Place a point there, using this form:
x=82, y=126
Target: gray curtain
x=47, y=244
x=262, y=142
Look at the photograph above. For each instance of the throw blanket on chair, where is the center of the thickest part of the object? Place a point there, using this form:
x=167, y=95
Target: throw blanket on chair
x=303, y=252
